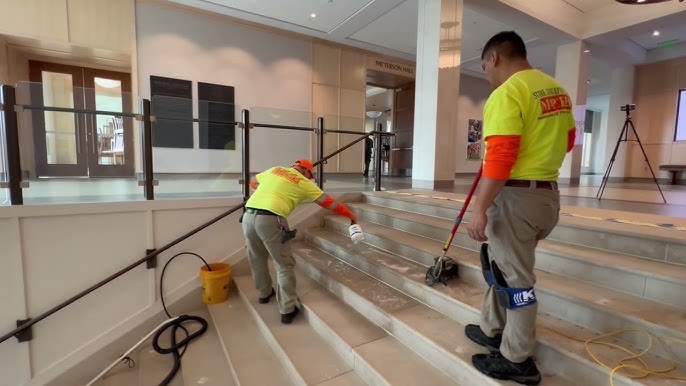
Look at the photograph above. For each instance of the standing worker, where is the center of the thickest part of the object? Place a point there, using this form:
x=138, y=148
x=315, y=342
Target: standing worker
x=279, y=191
x=529, y=127
x=368, y=147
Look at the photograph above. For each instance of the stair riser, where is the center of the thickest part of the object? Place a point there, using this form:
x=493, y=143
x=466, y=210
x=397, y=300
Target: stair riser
x=548, y=358
x=645, y=247
x=640, y=285
x=288, y=365
x=595, y=317
x=359, y=365
x=636, y=284
x=461, y=372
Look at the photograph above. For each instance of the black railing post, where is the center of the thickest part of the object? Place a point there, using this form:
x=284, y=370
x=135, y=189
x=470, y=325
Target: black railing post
x=320, y=152
x=12, y=138
x=148, y=185
x=245, y=114
x=377, y=160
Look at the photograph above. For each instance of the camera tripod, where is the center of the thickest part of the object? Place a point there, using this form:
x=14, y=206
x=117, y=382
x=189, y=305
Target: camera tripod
x=624, y=137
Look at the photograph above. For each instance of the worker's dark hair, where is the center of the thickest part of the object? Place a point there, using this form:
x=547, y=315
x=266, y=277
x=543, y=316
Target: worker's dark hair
x=507, y=44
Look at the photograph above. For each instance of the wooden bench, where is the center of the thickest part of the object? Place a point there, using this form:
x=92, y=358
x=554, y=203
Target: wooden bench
x=674, y=169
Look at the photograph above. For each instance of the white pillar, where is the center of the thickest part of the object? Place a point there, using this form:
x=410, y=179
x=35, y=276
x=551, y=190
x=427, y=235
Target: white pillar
x=572, y=71
x=437, y=89
x=621, y=93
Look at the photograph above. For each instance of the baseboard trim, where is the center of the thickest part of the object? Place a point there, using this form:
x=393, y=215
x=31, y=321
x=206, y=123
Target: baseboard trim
x=86, y=362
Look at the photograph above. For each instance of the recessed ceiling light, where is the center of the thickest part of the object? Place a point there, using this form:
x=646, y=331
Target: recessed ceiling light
x=313, y=14
x=656, y=33
x=640, y=1
x=587, y=51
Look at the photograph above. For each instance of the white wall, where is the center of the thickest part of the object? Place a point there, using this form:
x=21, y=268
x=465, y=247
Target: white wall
x=474, y=93
x=268, y=72
x=50, y=253
x=600, y=103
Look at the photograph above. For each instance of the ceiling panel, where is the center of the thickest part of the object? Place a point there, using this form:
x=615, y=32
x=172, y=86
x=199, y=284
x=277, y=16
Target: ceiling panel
x=669, y=35
x=588, y=5
x=396, y=29
x=329, y=13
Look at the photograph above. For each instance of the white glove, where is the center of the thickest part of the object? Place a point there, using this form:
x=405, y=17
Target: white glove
x=356, y=234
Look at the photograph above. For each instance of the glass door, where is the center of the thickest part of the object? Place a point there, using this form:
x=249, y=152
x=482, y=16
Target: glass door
x=59, y=137
x=81, y=145
x=110, y=137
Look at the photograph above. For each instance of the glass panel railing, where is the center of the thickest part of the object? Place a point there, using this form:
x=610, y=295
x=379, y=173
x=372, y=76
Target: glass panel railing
x=197, y=148
x=78, y=144
x=272, y=146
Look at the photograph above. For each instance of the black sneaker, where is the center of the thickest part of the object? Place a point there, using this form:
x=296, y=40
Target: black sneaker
x=288, y=318
x=476, y=335
x=495, y=365
x=266, y=300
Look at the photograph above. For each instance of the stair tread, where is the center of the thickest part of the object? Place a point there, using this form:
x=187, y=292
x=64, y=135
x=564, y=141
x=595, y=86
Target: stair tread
x=437, y=328
x=315, y=361
x=203, y=362
x=153, y=367
x=659, y=316
x=454, y=201
x=243, y=342
x=381, y=351
x=471, y=296
x=652, y=268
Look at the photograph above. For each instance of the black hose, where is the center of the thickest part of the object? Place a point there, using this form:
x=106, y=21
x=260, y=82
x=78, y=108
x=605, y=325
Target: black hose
x=175, y=324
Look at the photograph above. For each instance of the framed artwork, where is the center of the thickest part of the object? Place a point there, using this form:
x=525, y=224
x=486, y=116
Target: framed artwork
x=474, y=139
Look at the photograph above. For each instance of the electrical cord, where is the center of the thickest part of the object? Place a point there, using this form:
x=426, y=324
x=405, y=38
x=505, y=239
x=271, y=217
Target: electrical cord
x=177, y=348
x=639, y=372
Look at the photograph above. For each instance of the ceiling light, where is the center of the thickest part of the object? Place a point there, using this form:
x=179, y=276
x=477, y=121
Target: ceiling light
x=656, y=33
x=313, y=15
x=642, y=2
x=587, y=51
x=373, y=114
x=107, y=83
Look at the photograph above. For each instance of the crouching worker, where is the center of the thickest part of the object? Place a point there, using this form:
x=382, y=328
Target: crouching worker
x=279, y=191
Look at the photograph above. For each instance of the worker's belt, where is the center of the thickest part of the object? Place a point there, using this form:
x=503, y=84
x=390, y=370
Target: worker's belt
x=260, y=211
x=550, y=185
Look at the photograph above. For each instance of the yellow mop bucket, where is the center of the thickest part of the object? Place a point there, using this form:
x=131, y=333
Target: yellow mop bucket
x=215, y=283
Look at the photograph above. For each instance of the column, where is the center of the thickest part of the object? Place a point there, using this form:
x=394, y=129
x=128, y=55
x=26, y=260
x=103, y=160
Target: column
x=621, y=93
x=437, y=88
x=572, y=71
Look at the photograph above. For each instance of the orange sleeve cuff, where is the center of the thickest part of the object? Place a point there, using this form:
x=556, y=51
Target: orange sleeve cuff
x=571, y=138
x=254, y=184
x=501, y=155
x=343, y=210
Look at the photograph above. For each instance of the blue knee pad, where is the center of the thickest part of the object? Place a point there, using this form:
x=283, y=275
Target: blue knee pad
x=510, y=298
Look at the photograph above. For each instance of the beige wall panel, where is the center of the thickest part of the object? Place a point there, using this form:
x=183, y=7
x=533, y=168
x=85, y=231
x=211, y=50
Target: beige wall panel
x=655, y=117
x=678, y=155
x=325, y=104
x=656, y=77
x=352, y=159
x=658, y=154
x=105, y=24
x=326, y=65
x=45, y=19
x=352, y=106
x=353, y=70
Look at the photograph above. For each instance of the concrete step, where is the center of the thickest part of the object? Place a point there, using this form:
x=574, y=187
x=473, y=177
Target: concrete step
x=655, y=280
x=437, y=338
x=642, y=241
x=600, y=309
x=153, y=367
x=244, y=346
x=370, y=351
x=306, y=356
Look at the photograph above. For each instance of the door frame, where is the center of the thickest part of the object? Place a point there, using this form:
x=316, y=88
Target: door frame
x=43, y=168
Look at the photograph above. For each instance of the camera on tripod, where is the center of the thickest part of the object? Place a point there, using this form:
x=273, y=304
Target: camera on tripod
x=628, y=108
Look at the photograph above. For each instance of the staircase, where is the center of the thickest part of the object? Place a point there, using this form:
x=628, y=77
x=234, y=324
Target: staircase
x=369, y=319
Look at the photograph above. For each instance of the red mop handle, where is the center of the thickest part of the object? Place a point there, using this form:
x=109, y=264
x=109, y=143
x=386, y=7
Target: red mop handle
x=458, y=220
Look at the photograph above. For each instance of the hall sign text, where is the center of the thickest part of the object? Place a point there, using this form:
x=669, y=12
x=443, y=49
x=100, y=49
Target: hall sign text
x=390, y=67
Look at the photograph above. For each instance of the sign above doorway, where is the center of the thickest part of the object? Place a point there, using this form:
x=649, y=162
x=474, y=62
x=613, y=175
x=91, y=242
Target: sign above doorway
x=390, y=67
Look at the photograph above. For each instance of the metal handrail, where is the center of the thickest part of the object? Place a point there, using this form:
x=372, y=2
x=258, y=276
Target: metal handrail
x=282, y=127
x=78, y=111
x=147, y=257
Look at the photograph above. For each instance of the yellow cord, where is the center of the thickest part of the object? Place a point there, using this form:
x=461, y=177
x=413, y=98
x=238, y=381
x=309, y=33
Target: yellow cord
x=639, y=372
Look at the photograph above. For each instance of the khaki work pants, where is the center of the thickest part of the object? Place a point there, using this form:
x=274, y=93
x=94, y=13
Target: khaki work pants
x=264, y=238
x=518, y=219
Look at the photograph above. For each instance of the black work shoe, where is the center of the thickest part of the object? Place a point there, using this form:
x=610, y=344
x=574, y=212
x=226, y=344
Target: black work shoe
x=266, y=300
x=476, y=335
x=288, y=318
x=495, y=365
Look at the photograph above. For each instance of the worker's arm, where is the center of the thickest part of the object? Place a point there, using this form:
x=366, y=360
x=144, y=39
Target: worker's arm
x=328, y=202
x=501, y=155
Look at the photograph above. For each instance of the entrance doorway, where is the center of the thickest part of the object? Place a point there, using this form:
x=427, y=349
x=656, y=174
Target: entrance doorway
x=81, y=145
